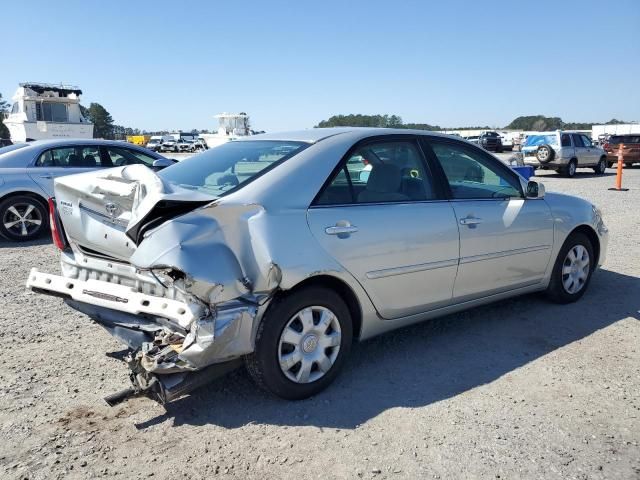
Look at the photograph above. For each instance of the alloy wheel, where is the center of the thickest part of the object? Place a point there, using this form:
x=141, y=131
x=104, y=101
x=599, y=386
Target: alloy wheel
x=309, y=344
x=22, y=219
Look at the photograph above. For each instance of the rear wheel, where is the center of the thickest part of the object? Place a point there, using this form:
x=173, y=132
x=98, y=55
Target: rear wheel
x=572, y=270
x=601, y=167
x=610, y=164
x=301, y=343
x=22, y=218
x=570, y=169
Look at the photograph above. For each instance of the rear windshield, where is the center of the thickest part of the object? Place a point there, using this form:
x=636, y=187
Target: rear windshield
x=624, y=139
x=230, y=166
x=537, y=140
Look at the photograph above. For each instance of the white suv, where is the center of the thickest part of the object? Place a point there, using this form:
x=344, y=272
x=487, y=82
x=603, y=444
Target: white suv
x=564, y=152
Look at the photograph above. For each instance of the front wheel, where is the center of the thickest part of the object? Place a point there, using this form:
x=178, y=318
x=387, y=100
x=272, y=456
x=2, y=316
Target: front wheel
x=22, y=218
x=572, y=270
x=301, y=343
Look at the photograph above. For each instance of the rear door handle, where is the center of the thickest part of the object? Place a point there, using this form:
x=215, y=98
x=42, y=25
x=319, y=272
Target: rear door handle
x=470, y=221
x=47, y=176
x=341, y=230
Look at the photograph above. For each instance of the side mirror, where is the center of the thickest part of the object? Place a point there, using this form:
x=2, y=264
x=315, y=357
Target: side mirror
x=162, y=163
x=535, y=189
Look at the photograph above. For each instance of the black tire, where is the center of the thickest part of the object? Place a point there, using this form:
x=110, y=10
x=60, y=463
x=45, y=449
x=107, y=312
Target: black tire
x=609, y=164
x=570, y=170
x=263, y=364
x=556, y=290
x=601, y=168
x=11, y=227
x=545, y=154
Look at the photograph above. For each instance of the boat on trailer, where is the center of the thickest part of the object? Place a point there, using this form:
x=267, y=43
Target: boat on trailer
x=44, y=111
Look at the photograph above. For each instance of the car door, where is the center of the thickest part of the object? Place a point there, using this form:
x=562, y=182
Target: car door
x=581, y=151
x=592, y=154
x=63, y=160
x=384, y=220
x=505, y=239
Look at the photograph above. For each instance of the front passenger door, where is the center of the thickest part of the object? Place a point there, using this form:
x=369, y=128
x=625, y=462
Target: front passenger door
x=505, y=239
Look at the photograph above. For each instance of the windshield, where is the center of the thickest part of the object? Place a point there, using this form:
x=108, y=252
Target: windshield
x=537, y=140
x=229, y=166
x=11, y=148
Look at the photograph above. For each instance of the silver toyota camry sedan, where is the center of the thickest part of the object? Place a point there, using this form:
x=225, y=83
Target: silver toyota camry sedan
x=280, y=250
x=27, y=172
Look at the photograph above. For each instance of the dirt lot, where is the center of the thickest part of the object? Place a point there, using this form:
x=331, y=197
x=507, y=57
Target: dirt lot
x=519, y=389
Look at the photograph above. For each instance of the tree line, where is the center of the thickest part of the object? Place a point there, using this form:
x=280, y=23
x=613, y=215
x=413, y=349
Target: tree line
x=376, y=121
x=531, y=122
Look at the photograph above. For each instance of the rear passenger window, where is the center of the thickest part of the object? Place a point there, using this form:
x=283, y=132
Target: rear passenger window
x=58, y=157
x=71, y=157
x=577, y=141
x=381, y=172
x=566, y=140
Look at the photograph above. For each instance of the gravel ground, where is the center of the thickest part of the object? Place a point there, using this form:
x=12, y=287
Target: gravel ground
x=519, y=389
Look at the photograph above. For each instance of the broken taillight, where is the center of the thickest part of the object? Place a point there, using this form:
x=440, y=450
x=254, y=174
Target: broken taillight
x=56, y=227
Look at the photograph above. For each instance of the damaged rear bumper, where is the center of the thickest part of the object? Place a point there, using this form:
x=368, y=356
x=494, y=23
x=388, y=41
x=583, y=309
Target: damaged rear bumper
x=175, y=346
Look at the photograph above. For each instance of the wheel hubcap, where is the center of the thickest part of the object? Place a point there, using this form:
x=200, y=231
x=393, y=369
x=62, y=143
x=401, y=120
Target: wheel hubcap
x=22, y=219
x=572, y=168
x=309, y=344
x=575, y=269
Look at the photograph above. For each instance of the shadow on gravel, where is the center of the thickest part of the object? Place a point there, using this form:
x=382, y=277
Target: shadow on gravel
x=419, y=365
x=43, y=240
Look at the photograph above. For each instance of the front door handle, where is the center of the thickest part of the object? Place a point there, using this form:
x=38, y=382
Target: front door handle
x=48, y=176
x=341, y=230
x=470, y=221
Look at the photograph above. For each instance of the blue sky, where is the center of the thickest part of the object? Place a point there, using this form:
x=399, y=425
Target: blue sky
x=290, y=64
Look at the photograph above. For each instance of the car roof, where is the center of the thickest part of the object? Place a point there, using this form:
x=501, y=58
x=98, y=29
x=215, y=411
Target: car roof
x=314, y=135
x=74, y=141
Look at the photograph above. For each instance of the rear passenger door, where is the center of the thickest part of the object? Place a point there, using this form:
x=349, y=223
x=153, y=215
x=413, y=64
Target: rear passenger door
x=64, y=160
x=581, y=151
x=384, y=219
x=591, y=153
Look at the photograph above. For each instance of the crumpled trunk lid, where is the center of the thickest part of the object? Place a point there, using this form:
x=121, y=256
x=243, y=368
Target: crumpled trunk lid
x=107, y=212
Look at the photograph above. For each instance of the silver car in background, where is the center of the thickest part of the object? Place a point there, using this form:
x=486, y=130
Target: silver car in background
x=277, y=251
x=28, y=170
x=563, y=151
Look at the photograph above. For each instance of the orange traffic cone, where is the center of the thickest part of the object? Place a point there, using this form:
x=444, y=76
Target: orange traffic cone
x=618, y=187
